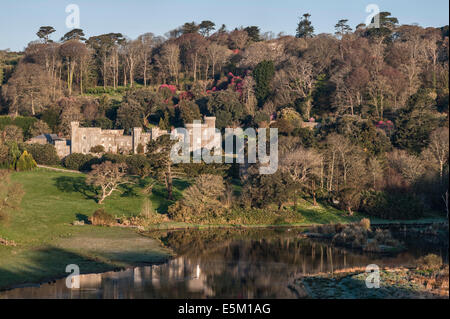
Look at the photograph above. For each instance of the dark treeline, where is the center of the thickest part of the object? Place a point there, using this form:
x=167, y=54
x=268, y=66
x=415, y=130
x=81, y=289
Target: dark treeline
x=379, y=94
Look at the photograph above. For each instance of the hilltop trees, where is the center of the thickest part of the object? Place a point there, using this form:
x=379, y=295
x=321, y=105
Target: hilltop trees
x=349, y=100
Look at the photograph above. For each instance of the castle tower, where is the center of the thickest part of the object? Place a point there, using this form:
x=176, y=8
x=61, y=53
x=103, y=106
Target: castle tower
x=75, y=137
x=136, y=138
x=210, y=121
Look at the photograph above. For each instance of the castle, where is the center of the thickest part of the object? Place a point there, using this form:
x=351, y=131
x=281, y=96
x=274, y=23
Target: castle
x=82, y=139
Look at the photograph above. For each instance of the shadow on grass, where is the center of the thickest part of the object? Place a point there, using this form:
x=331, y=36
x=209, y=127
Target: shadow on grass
x=49, y=264
x=72, y=184
x=45, y=265
x=159, y=195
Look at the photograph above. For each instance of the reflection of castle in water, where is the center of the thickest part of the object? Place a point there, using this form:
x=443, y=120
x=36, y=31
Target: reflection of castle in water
x=224, y=268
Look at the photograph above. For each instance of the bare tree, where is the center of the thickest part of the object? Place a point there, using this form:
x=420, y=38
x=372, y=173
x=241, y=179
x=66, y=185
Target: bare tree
x=298, y=78
x=108, y=176
x=146, y=42
x=170, y=60
x=218, y=55
x=437, y=150
x=303, y=166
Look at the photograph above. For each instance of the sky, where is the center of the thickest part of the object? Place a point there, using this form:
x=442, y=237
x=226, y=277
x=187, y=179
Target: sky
x=20, y=19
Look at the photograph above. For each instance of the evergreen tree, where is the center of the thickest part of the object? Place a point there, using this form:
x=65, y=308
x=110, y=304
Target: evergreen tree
x=305, y=28
x=263, y=74
x=342, y=28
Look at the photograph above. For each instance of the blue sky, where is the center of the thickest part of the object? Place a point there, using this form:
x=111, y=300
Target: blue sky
x=20, y=19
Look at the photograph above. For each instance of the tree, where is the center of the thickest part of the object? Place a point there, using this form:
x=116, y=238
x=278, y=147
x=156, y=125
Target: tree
x=108, y=176
x=206, y=27
x=190, y=27
x=43, y=154
x=189, y=111
x=132, y=53
x=74, y=34
x=25, y=162
x=264, y=190
x=169, y=61
x=44, y=33
x=438, y=150
x=158, y=153
x=218, y=55
x=253, y=33
x=29, y=90
x=342, y=28
x=385, y=29
x=227, y=108
x=137, y=106
x=72, y=51
x=40, y=127
x=298, y=78
x=105, y=53
x=414, y=125
x=304, y=167
x=263, y=75
x=12, y=133
x=239, y=39
x=204, y=196
x=305, y=28
x=146, y=46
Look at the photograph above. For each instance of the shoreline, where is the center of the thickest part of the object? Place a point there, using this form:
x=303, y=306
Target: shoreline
x=96, y=262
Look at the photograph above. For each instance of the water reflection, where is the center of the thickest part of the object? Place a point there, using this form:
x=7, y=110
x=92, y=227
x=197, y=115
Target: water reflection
x=221, y=264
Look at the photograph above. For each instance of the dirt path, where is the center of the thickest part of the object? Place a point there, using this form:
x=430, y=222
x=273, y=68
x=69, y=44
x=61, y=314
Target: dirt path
x=59, y=169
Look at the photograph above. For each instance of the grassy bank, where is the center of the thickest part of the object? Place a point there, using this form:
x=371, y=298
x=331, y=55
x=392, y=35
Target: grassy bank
x=46, y=241
x=397, y=283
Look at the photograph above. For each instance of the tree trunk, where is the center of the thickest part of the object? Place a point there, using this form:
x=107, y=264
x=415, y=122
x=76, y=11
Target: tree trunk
x=169, y=183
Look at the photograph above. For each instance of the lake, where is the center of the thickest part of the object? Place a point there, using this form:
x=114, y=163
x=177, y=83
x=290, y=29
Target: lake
x=225, y=263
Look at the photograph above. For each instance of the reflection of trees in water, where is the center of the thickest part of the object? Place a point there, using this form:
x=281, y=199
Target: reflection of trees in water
x=220, y=263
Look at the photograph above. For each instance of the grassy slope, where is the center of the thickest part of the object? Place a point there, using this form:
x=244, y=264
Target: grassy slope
x=46, y=242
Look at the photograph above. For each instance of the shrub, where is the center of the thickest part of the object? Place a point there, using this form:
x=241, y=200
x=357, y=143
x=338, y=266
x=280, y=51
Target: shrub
x=201, y=201
x=365, y=223
x=97, y=149
x=138, y=165
x=384, y=237
x=40, y=127
x=430, y=262
x=114, y=158
x=140, y=149
x=391, y=205
x=43, y=154
x=78, y=161
x=101, y=218
x=12, y=133
x=25, y=162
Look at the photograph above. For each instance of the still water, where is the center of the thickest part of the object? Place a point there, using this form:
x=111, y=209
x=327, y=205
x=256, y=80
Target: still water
x=224, y=264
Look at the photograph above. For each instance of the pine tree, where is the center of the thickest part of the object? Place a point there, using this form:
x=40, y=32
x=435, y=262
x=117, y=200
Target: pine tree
x=305, y=28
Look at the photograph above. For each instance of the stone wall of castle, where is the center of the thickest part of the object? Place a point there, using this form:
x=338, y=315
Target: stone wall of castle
x=114, y=141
